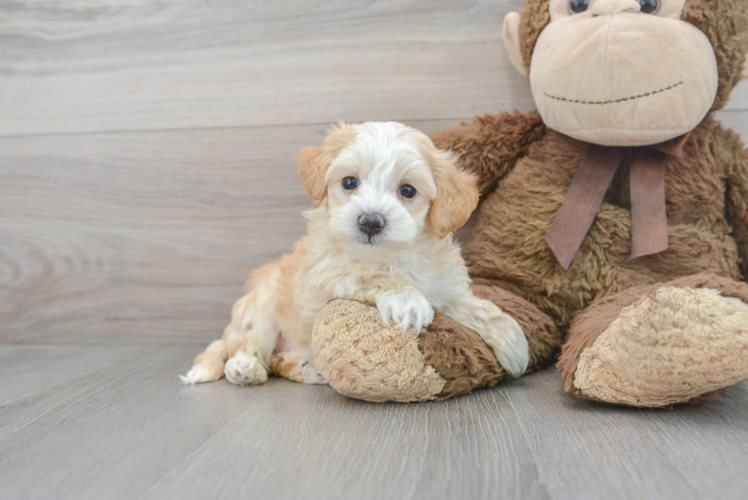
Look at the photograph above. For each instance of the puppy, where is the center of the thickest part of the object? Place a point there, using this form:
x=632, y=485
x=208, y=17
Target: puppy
x=385, y=204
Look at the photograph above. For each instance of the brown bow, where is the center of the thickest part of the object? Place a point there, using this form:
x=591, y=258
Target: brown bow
x=648, y=216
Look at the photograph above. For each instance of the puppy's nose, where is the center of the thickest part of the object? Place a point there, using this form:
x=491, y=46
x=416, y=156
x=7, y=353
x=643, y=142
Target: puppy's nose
x=371, y=224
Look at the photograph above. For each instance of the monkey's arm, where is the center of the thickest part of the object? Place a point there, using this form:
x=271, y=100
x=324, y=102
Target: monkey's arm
x=737, y=206
x=491, y=144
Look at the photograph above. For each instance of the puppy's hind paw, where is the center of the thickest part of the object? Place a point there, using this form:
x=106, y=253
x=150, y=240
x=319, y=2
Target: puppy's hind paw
x=198, y=375
x=201, y=374
x=312, y=375
x=244, y=369
x=513, y=353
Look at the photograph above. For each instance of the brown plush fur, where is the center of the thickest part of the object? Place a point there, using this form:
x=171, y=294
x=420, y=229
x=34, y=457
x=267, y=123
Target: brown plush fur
x=459, y=356
x=524, y=171
x=508, y=251
x=737, y=208
x=725, y=23
x=542, y=334
x=508, y=246
x=707, y=206
x=493, y=143
x=534, y=17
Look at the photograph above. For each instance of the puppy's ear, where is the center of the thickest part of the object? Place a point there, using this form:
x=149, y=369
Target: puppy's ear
x=313, y=162
x=456, y=195
x=745, y=68
x=311, y=167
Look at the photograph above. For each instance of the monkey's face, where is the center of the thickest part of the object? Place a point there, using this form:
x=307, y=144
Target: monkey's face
x=622, y=72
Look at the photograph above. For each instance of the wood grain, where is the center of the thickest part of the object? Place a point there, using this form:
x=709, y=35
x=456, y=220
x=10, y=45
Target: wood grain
x=36, y=379
x=600, y=451
x=143, y=236
x=148, y=236
x=130, y=430
x=146, y=166
x=140, y=433
x=78, y=66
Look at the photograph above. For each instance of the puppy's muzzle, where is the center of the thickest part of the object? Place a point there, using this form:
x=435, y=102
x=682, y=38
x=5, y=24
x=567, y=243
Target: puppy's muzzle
x=371, y=224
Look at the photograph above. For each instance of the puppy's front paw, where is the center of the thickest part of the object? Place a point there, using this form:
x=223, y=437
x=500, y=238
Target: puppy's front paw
x=244, y=369
x=512, y=350
x=405, y=309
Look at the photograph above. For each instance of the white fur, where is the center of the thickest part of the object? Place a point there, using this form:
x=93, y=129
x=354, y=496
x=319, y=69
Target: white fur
x=406, y=270
x=197, y=375
x=243, y=369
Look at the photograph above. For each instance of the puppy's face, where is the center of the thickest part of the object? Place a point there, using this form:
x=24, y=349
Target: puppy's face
x=384, y=185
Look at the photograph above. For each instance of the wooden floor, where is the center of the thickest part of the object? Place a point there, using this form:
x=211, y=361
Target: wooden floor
x=146, y=166
x=106, y=421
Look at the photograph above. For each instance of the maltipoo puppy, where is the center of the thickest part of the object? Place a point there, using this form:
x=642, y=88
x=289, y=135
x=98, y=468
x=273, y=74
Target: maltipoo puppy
x=385, y=204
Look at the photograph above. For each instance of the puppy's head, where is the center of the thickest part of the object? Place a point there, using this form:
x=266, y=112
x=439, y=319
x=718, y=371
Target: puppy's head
x=384, y=185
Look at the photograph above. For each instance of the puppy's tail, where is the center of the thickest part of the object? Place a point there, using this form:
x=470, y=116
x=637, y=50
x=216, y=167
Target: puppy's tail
x=208, y=366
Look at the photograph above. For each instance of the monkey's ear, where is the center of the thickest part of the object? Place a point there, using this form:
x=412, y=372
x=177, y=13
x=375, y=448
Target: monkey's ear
x=511, y=42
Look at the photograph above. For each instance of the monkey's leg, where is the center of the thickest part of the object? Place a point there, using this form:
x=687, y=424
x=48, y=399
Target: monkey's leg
x=658, y=345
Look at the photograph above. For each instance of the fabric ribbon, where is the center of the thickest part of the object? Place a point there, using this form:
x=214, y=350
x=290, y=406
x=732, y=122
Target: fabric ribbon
x=591, y=182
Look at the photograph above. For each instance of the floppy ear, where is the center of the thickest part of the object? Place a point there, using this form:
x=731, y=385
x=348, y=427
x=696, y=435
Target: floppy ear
x=510, y=34
x=456, y=195
x=312, y=162
x=311, y=167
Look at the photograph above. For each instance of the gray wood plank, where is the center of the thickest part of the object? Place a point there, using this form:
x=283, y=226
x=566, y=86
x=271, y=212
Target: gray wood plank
x=101, y=232
x=139, y=433
x=38, y=379
x=131, y=430
x=590, y=450
x=82, y=67
x=26, y=370
x=78, y=66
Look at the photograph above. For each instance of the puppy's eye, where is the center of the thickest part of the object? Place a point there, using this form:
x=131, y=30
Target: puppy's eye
x=577, y=6
x=350, y=183
x=407, y=191
x=650, y=6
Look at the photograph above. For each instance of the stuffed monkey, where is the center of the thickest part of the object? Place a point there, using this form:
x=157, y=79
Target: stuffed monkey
x=614, y=222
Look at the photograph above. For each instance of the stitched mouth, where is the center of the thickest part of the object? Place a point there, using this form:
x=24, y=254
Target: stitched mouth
x=624, y=99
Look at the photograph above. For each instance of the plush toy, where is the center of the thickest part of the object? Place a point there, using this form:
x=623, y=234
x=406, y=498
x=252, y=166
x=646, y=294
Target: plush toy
x=614, y=223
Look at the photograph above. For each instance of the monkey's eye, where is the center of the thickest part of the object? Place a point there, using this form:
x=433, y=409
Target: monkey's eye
x=407, y=191
x=577, y=6
x=350, y=183
x=649, y=6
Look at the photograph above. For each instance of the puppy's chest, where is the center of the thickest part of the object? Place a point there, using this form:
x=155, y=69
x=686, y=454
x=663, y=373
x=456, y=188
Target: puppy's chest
x=438, y=284
x=418, y=275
